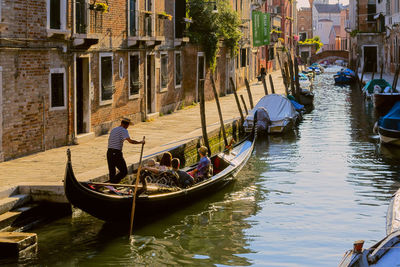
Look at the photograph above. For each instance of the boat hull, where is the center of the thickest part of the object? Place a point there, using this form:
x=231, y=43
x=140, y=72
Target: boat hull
x=388, y=136
x=383, y=102
x=118, y=208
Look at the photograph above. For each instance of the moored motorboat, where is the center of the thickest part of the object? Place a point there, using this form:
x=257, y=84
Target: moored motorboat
x=273, y=114
x=345, y=76
x=375, y=86
x=384, y=253
x=157, y=200
x=388, y=126
x=383, y=102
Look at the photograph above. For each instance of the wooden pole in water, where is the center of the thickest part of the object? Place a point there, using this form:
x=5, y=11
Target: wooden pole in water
x=221, y=120
x=396, y=75
x=287, y=78
x=244, y=105
x=373, y=71
x=296, y=71
x=237, y=100
x=362, y=73
x=381, y=71
x=264, y=84
x=135, y=190
x=283, y=75
x=291, y=75
x=249, y=93
x=203, y=116
x=272, y=84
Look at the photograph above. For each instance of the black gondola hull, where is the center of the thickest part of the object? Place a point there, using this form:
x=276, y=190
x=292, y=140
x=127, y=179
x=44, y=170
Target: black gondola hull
x=118, y=208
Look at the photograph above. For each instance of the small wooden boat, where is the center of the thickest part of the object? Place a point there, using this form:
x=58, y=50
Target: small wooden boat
x=384, y=253
x=373, y=85
x=306, y=97
x=345, y=76
x=388, y=126
x=383, y=102
x=157, y=200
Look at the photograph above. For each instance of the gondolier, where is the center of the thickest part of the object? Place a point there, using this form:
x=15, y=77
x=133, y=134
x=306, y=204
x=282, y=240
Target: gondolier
x=115, y=157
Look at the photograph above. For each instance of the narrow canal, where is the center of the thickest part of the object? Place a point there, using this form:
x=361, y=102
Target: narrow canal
x=300, y=201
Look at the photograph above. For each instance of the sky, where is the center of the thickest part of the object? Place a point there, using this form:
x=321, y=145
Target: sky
x=306, y=3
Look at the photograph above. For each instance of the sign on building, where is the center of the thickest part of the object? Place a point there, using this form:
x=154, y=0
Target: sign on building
x=261, y=28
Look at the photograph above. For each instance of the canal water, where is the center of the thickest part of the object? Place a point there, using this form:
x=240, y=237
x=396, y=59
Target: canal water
x=300, y=201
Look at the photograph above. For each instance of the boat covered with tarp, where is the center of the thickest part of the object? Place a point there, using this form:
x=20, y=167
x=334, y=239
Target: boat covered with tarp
x=376, y=86
x=345, y=76
x=389, y=126
x=157, y=199
x=273, y=114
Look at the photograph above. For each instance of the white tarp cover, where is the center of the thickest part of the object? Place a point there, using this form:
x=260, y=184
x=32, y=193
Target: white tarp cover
x=279, y=109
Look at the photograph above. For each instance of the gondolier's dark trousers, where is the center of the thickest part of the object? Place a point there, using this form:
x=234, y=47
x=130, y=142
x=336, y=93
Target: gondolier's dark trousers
x=115, y=159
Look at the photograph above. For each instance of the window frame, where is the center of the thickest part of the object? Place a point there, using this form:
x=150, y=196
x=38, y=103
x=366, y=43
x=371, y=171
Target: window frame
x=136, y=31
x=133, y=96
x=63, y=18
x=177, y=86
x=101, y=55
x=164, y=89
x=57, y=71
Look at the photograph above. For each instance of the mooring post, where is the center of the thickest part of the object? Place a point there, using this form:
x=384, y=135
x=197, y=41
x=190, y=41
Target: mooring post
x=221, y=120
x=244, y=105
x=203, y=116
x=237, y=100
x=291, y=75
x=373, y=71
x=264, y=84
x=296, y=71
x=396, y=75
x=249, y=93
x=287, y=78
x=272, y=84
x=362, y=73
x=283, y=75
x=381, y=70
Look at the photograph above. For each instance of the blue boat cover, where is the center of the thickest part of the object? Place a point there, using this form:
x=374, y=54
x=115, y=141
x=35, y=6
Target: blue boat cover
x=296, y=105
x=347, y=72
x=392, y=119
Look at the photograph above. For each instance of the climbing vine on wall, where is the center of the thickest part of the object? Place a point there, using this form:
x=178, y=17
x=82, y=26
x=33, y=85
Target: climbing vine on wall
x=208, y=27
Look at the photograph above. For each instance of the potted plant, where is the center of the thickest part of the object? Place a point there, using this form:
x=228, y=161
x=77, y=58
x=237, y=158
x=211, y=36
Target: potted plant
x=163, y=15
x=101, y=7
x=147, y=13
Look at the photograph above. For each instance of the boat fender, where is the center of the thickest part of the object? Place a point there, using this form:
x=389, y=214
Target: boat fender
x=375, y=129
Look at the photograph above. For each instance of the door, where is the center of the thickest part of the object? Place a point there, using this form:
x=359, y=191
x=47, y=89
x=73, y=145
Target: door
x=201, y=72
x=370, y=57
x=82, y=96
x=149, y=84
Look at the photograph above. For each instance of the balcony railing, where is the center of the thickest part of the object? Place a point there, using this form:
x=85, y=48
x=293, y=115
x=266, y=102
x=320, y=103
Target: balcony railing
x=148, y=25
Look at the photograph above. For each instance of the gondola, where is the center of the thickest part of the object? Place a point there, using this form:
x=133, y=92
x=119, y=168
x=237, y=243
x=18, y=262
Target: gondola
x=156, y=201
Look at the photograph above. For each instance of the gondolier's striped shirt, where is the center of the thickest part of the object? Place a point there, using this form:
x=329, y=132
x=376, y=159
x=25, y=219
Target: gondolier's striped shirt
x=117, y=137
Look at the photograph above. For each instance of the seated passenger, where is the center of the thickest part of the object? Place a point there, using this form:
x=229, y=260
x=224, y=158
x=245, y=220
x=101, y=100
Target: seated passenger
x=184, y=179
x=164, y=165
x=204, y=168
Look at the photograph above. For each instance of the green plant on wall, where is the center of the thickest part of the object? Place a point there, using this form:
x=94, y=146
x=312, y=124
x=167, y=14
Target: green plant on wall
x=208, y=27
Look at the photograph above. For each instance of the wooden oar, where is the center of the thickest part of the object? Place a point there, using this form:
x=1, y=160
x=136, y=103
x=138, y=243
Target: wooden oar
x=135, y=190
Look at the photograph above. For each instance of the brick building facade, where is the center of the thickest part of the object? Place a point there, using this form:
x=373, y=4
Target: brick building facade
x=70, y=71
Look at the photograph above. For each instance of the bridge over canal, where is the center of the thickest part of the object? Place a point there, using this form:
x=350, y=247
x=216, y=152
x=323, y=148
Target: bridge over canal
x=331, y=56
